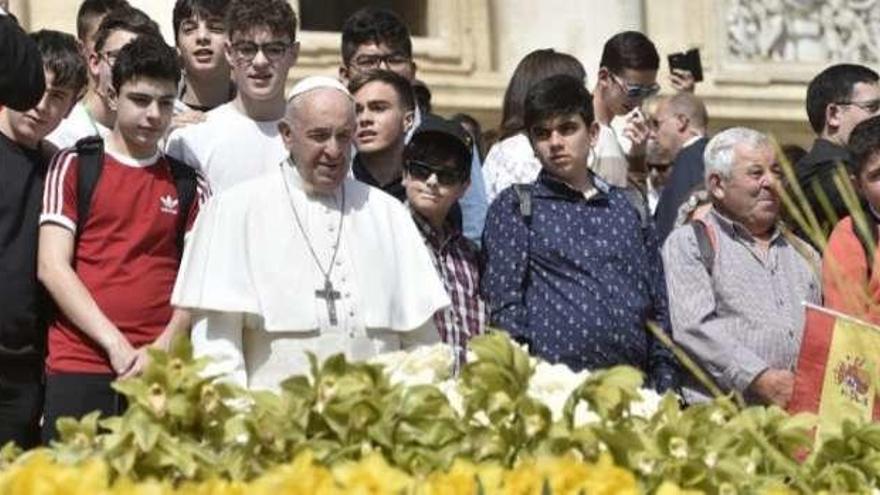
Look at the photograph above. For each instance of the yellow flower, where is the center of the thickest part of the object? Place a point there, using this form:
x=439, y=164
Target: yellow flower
x=461, y=478
x=303, y=475
x=371, y=476
x=38, y=474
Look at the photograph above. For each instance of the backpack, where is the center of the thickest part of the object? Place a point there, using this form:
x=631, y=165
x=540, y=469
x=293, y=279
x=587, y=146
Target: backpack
x=90, y=163
x=707, y=242
x=524, y=195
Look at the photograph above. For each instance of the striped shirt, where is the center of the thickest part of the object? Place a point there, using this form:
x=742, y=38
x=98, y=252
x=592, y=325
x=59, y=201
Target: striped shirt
x=457, y=263
x=747, y=315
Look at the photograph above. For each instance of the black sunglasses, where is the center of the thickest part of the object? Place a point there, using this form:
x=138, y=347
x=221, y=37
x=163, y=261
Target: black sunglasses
x=422, y=171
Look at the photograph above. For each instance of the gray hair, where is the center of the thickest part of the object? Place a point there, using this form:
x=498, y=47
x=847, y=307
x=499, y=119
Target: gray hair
x=719, y=154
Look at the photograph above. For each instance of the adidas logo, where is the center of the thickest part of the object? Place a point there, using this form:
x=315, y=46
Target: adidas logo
x=168, y=204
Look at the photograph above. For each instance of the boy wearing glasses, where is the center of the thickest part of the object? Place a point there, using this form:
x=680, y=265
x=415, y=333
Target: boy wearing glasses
x=93, y=116
x=111, y=267
x=627, y=75
x=384, y=107
x=569, y=269
x=374, y=38
x=200, y=36
x=838, y=99
x=240, y=140
x=438, y=165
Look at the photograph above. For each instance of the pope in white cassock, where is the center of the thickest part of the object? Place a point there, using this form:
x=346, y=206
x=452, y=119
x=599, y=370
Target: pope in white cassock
x=305, y=258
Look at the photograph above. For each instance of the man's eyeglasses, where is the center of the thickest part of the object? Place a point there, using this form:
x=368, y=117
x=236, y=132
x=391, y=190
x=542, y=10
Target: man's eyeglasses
x=870, y=106
x=394, y=61
x=246, y=51
x=636, y=91
x=422, y=171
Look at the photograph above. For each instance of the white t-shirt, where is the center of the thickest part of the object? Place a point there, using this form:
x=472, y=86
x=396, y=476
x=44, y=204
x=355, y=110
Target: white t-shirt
x=610, y=162
x=77, y=125
x=510, y=161
x=228, y=147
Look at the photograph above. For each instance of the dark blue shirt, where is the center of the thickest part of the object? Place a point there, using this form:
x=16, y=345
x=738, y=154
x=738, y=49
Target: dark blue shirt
x=578, y=279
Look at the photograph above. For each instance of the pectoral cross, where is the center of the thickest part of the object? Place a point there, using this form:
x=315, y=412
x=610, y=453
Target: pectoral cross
x=329, y=296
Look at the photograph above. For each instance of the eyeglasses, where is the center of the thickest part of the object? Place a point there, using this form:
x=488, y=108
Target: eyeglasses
x=420, y=170
x=245, y=51
x=870, y=106
x=393, y=61
x=636, y=91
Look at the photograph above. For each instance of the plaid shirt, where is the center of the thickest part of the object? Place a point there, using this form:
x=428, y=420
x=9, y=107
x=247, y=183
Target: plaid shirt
x=456, y=260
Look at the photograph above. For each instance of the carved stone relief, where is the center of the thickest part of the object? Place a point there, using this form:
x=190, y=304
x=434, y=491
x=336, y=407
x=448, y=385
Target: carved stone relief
x=807, y=31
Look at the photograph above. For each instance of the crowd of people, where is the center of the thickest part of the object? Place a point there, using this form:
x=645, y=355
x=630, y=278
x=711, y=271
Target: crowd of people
x=149, y=193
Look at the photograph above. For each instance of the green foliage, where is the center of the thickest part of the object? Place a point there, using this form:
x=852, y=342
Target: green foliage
x=182, y=425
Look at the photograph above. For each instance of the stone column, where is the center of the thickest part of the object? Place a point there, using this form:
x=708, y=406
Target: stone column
x=577, y=27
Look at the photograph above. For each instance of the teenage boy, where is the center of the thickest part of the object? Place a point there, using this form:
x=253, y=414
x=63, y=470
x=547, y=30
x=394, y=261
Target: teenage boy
x=384, y=106
x=240, y=140
x=438, y=165
x=93, y=116
x=200, y=36
x=627, y=75
x=570, y=269
x=22, y=325
x=88, y=19
x=850, y=275
x=109, y=259
x=375, y=38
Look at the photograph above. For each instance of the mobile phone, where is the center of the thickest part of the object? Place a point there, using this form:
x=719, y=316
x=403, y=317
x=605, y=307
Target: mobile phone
x=689, y=60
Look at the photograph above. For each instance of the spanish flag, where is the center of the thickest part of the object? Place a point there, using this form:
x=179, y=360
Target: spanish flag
x=838, y=370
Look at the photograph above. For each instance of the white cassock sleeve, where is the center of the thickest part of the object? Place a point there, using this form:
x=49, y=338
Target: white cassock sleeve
x=426, y=334
x=218, y=336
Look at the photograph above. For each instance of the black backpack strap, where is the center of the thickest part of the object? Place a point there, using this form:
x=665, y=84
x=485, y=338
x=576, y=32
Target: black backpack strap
x=89, y=163
x=186, y=183
x=524, y=195
x=704, y=243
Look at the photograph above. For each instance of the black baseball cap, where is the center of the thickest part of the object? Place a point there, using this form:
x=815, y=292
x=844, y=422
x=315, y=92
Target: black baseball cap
x=436, y=127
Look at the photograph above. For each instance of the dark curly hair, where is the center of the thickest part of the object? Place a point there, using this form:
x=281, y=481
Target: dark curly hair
x=243, y=16
x=146, y=56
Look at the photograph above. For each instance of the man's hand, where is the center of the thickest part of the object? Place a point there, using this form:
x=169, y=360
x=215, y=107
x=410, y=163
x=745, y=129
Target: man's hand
x=774, y=386
x=637, y=131
x=682, y=80
x=186, y=118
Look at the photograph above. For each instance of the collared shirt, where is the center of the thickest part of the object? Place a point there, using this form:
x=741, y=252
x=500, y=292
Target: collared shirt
x=748, y=314
x=579, y=280
x=457, y=263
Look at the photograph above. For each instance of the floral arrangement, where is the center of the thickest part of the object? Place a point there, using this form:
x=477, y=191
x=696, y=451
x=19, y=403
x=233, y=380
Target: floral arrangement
x=507, y=424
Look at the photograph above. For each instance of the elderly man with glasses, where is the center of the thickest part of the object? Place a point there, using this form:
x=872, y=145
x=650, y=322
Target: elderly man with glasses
x=240, y=139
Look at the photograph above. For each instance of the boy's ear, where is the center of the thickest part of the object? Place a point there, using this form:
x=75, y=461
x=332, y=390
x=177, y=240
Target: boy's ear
x=594, y=134
x=409, y=118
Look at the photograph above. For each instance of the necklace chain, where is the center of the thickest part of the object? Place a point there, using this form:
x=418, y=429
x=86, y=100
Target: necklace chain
x=302, y=229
